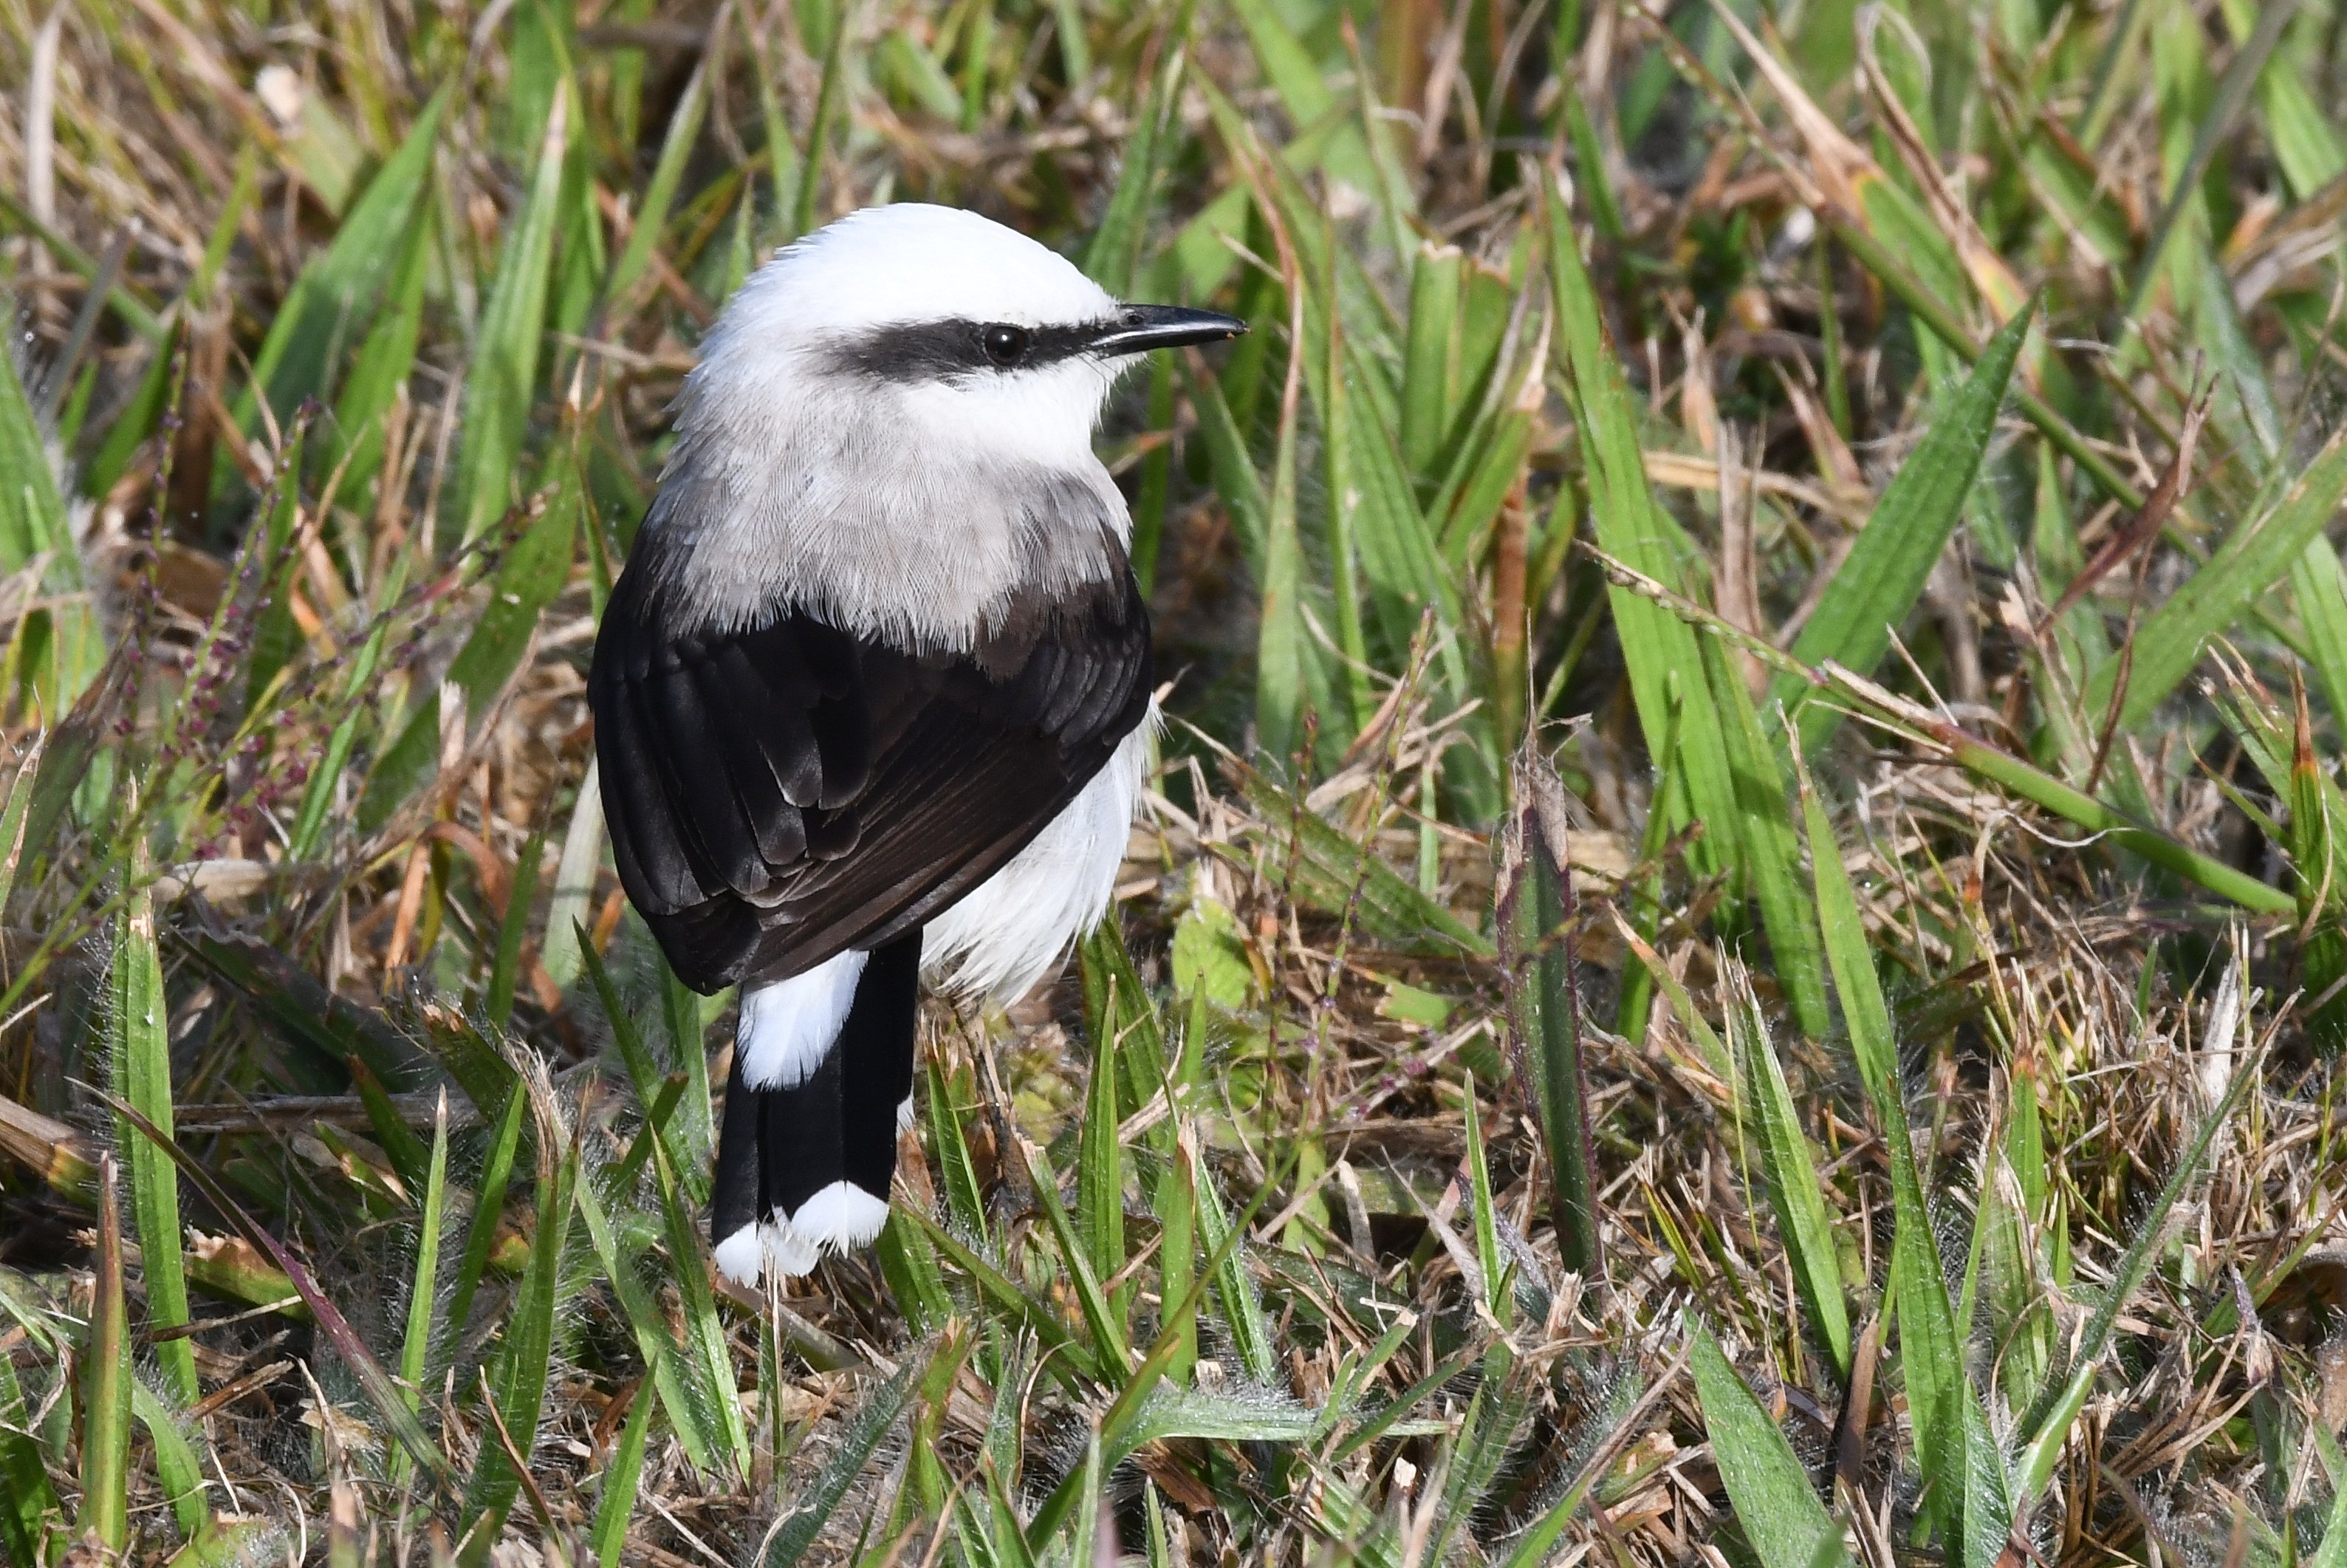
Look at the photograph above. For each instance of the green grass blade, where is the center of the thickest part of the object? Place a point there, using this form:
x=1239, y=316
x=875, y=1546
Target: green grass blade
x=1118, y=1008
x=505, y=970
x=1105, y=1323
x=872, y=1420
x=1545, y=1007
x=686, y=1015
x=1772, y=850
x=2332, y=1550
x=33, y=523
x=1287, y=658
x=2167, y=644
x=1235, y=479
x=1112, y=260
x=386, y=359
x=711, y=1363
x=1929, y=1353
x=518, y=1384
x=1333, y=874
x=140, y=1041
x=1794, y=1191
x=1099, y=1166
x=818, y=143
x=1491, y=1260
x=698, y=1429
x=533, y=573
x=106, y=1379
x=1775, y=1503
x=1630, y=526
x=177, y=1468
x=337, y=293
x=2320, y=587
x=568, y=909
x=1429, y=348
x=621, y=1476
x=318, y=795
x=1242, y=1311
x=1883, y=576
x=1044, y=1321
x=424, y=1287
x=488, y=1213
x=503, y=381
x=276, y=640
x=29, y=1503
x=651, y=219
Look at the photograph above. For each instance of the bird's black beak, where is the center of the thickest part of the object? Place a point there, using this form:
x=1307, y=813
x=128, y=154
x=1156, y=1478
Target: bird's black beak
x=1139, y=328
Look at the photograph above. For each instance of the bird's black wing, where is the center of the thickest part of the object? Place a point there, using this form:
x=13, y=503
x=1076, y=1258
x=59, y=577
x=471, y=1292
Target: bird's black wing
x=779, y=794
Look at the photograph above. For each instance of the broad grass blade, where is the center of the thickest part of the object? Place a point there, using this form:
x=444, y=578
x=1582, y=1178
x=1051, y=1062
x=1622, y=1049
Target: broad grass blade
x=1106, y=1325
x=652, y=214
x=1631, y=526
x=505, y=970
x=1099, y=1166
x=176, y=1465
x=504, y=377
x=28, y=1502
x=1772, y=850
x=1774, y=1502
x=1930, y=1356
x=140, y=1038
x=106, y=1379
x=518, y=1386
x=621, y=1476
x=1794, y=1189
x=1544, y=1003
x=1119, y=1012
x=1883, y=575
x=2167, y=644
x=1287, y=674
x=488, y=1212
x=871, y=1424
x=567, y=912
x=424, y=1287
x=338, y=292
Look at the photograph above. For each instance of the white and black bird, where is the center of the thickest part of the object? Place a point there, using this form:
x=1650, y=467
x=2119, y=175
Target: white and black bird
x=871, y=696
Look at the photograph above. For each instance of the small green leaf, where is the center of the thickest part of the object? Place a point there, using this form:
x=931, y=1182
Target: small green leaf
x=1775, y=1503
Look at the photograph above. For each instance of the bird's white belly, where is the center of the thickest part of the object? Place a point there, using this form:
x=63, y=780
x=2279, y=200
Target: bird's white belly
x=1015, y=926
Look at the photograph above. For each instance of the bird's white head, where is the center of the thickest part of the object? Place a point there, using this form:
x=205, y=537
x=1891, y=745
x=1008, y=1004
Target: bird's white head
x=970, y=331
x=891, y=424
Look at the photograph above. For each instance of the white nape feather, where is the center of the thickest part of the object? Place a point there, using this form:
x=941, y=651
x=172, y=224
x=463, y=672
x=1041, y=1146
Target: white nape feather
x=786, y=1029
x=1015, y=926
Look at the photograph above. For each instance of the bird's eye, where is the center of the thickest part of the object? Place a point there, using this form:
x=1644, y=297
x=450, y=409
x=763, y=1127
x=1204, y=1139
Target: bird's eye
x=1005, y=345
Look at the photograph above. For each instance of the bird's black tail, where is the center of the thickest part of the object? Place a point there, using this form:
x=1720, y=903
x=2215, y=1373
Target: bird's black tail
x=805, y=1170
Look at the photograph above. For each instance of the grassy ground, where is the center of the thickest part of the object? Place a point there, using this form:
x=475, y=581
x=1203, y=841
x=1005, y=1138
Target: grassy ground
x=1736, y=954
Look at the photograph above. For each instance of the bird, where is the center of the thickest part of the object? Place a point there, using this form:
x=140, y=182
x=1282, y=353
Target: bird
x=873, y=693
